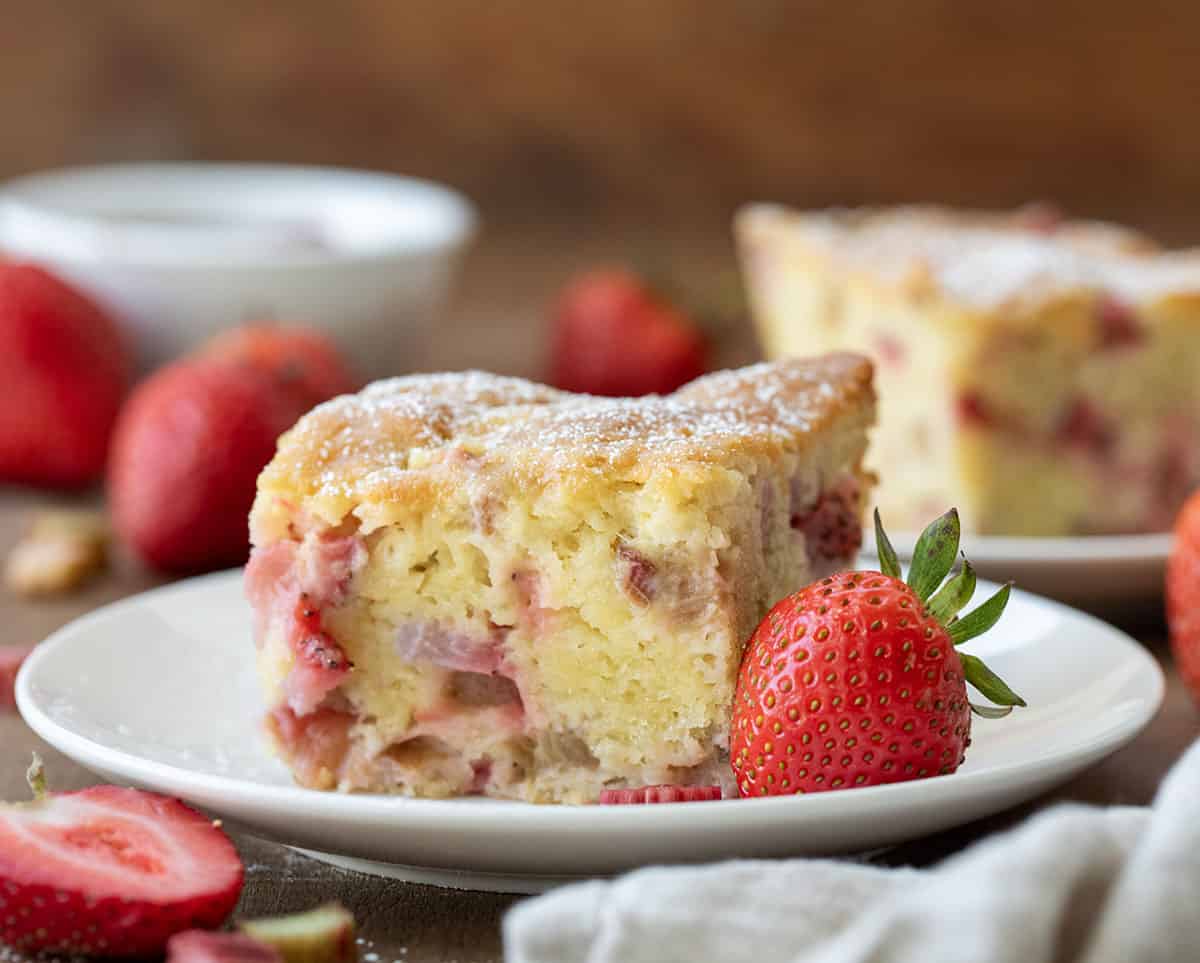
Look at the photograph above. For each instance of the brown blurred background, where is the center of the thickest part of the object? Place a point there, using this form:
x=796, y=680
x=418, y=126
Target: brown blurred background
x=587, y=130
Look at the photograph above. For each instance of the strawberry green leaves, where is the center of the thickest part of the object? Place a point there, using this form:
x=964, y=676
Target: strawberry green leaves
x=952, y=596
x=988, y=683
x=981, y=619
x=934, y=555
x=932, y=560
x=889, y=564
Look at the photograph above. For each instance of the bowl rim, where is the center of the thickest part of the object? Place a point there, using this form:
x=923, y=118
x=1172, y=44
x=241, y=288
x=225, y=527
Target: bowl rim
x=451, y=219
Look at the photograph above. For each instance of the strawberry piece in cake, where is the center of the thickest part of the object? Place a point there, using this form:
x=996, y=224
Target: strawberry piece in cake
x=659, y=794
x=1038, y=373
x=466, y=584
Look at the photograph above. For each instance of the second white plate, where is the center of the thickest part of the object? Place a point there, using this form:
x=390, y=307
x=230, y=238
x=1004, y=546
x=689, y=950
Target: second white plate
x=159, y=691
x=1104, y=573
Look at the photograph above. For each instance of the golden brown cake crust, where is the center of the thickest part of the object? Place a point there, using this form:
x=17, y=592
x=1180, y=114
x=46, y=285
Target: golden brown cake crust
x=404, y=438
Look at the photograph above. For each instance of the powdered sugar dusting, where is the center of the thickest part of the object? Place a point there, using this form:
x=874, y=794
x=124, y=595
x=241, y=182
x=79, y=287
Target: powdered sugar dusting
x=990, y=260
x=462, y=425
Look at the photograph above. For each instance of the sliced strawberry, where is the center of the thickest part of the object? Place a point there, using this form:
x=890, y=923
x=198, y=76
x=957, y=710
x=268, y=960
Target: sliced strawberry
x=321, y=664
x=11, y=658
x=202, y=946
x=659, y=794
x=111, y=872
x=637, y=575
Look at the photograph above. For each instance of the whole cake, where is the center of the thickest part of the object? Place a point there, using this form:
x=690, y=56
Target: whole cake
x=468, y=584
x=1042, y=375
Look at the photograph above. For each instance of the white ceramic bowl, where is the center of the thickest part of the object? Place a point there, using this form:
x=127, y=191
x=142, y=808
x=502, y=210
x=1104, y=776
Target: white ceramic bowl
x=182, y=251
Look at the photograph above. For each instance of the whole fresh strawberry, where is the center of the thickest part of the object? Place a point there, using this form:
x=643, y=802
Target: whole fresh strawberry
x=65, y=367
x=1183, y=594
x=110, y=872
x=856, y=680
x=186, y=454
x=304, y=358
x=611, y=335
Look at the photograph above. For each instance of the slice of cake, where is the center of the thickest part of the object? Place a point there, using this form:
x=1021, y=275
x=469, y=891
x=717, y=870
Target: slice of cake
x=471, y=584
x=1041, y=375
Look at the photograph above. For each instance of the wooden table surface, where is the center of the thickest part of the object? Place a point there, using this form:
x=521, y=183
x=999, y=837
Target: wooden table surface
x=420, y=924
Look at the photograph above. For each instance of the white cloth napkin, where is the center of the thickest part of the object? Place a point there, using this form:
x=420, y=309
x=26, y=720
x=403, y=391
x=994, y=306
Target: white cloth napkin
x=1075, y=884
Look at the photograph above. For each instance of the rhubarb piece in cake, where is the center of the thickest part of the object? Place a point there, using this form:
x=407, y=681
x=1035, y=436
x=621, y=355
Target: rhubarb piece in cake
x=467, y=584
x=1040, y=374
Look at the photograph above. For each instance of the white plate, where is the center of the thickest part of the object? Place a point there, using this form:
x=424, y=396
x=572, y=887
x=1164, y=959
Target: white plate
x=1098, y=572
x=158, y=690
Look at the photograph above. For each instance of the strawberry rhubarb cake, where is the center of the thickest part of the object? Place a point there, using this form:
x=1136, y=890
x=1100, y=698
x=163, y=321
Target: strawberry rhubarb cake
x=468, y=584
x=1041, y=374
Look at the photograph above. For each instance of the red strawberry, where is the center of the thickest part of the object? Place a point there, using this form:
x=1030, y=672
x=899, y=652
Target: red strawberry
x=659, y=794
x=303, y=357
x=110, y=872
x=202, y=946
x=11, y=657
x=855, y=680
x=187, y=451
x=612, y=336
x=1183, y=594
x=65, y=366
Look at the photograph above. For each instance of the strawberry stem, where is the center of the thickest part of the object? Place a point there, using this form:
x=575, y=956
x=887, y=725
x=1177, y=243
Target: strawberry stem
x=951, y=597
x=978, y=621
x=889, y=564
x=934, y=555
x=35, y=775
x=988, y=683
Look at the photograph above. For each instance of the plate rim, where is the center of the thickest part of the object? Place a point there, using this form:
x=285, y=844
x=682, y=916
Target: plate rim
x=1147, y=548
x=465, y=817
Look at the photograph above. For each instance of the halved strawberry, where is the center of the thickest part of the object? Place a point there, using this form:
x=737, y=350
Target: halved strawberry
x=110, y=872
x=659, y=794
x=321, y=664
